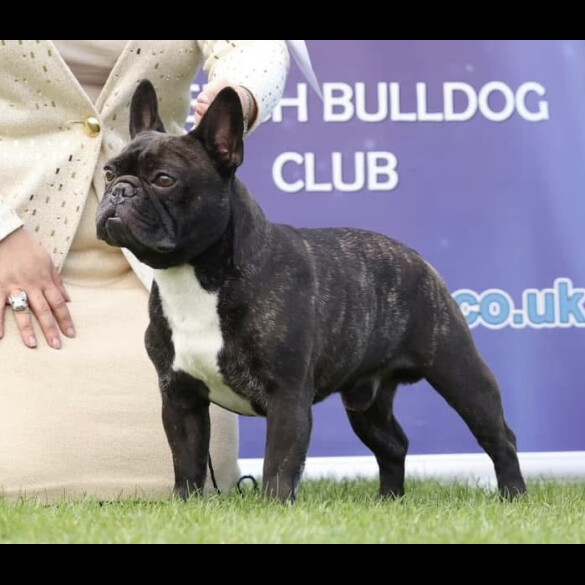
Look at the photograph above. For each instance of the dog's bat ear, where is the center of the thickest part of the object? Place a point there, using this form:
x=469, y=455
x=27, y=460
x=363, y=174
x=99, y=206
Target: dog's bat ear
x=221, y=131
x=144, y=109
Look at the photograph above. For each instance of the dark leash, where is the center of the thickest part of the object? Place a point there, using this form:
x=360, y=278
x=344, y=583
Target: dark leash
x=238, y=485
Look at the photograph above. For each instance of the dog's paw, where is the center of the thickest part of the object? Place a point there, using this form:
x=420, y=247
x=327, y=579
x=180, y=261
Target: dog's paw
x=511, y=493
x=184, y=492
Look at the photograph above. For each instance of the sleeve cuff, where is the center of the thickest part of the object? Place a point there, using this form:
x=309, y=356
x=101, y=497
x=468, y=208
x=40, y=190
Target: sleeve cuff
x=9, y=220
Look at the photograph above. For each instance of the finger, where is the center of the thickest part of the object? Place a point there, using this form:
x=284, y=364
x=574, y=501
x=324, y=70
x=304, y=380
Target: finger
x=2, y=313
x=200, y=110
x=58, y=281
x=27, y=332
x=58, y=305
x=25, y=325
x=204, y=98
x=42, y=311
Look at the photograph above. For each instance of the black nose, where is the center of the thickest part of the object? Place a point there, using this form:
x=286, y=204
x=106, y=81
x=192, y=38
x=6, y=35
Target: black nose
x=123, y=189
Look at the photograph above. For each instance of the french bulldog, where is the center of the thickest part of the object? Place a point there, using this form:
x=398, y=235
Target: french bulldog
x=266, y=319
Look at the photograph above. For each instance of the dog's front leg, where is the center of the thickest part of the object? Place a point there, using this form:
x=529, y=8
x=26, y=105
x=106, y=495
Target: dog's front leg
x=288, y=432
x=185, y=414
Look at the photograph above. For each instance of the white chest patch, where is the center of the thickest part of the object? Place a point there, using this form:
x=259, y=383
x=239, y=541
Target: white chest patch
x=194, y=322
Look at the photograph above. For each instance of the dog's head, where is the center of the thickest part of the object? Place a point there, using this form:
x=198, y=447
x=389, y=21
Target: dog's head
x=167, y=197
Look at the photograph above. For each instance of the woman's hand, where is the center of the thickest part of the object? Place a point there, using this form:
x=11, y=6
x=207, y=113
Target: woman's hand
x=210, y=92
x=26, y=266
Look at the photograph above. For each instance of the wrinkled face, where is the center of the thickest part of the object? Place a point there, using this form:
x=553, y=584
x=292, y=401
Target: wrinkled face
x=164, y=200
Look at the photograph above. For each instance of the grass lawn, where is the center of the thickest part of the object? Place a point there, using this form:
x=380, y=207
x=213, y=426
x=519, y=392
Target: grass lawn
x=326, y=511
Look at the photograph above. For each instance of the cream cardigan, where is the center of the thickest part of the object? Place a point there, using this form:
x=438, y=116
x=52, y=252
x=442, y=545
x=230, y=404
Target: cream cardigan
x=52, y=152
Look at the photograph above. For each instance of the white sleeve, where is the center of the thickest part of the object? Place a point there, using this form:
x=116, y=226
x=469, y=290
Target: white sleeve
x=9, y=220
x=260, y=66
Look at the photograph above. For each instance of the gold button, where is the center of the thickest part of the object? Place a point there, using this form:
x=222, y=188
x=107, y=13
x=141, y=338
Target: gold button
x=92, y=126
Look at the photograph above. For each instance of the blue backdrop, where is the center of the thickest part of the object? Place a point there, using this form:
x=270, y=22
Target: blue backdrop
x=471, y=152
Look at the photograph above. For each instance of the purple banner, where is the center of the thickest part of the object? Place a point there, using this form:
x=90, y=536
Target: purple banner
x=470, y=152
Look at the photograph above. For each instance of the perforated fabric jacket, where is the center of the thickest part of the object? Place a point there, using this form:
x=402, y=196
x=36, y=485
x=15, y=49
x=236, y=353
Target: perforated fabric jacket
x=54, y=141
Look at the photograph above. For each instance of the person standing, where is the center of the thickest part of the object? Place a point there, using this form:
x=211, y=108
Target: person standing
x=79, y=399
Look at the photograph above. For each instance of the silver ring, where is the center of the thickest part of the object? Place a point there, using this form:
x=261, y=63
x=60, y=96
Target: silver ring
x=18, y=302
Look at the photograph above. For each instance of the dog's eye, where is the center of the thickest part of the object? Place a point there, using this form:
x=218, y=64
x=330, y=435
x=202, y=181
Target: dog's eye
x=109, y=175
x=164, y=181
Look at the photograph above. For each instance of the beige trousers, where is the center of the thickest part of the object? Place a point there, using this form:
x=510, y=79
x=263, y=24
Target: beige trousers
x=86, y=419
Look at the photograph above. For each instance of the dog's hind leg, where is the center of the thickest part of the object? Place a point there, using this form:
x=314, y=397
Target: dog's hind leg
x=379, y=430
x=460, y=375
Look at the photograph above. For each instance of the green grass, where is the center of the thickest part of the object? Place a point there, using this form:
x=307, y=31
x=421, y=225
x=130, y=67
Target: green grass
x=326, y=511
